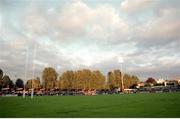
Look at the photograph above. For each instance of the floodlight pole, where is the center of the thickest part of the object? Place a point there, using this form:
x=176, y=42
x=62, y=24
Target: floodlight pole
x=120, y=60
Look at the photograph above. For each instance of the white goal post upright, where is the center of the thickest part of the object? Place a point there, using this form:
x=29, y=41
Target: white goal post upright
x=32, y=89
x=25, y=73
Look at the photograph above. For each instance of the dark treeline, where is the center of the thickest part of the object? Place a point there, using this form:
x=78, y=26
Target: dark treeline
x=80, y=79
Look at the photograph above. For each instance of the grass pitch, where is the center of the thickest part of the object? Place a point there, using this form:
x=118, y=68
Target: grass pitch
x=127, y=105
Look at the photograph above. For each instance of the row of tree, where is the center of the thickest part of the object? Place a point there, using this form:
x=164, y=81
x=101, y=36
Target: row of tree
x=80, y=79
x=6, y=82
x=87, y=79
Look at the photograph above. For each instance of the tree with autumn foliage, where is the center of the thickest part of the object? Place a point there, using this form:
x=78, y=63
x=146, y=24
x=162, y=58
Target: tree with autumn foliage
x=49, y=78
x=82, y=79
x=67, y=80
x=115, y=79
x=111, y=80
x=33, y=83
x=97, y=80
x=129, y=80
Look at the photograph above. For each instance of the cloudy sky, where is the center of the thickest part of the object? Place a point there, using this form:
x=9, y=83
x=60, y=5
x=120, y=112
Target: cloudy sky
x=94, y=34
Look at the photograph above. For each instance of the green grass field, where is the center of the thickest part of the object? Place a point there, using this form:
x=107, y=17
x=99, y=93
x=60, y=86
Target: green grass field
x=127, y=105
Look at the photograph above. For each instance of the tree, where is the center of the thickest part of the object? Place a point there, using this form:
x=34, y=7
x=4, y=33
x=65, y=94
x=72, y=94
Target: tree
x=82, y=79
x=127, y=80
x=135, y=79
x=1, y=74
x=49, y=78
x=1, y=85
x=115, y=79
x=28, y=84
x=80, y=82
x=33, y=83
x=130, y=81
x=7, y=82
x=117, y=76
x=150, y=80
x=37, y=83
x=111, y=80
x=67, y=80
x=11, y=84
x=86, y=75
x=19, y=83
x=97, y=80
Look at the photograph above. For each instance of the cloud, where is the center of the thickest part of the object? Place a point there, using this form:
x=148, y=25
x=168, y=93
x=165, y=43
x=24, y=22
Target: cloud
x=132, y=6
x=35, y=21
x=107, y=25
x=159, y=31
x=78, y=34
x=75, y=20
